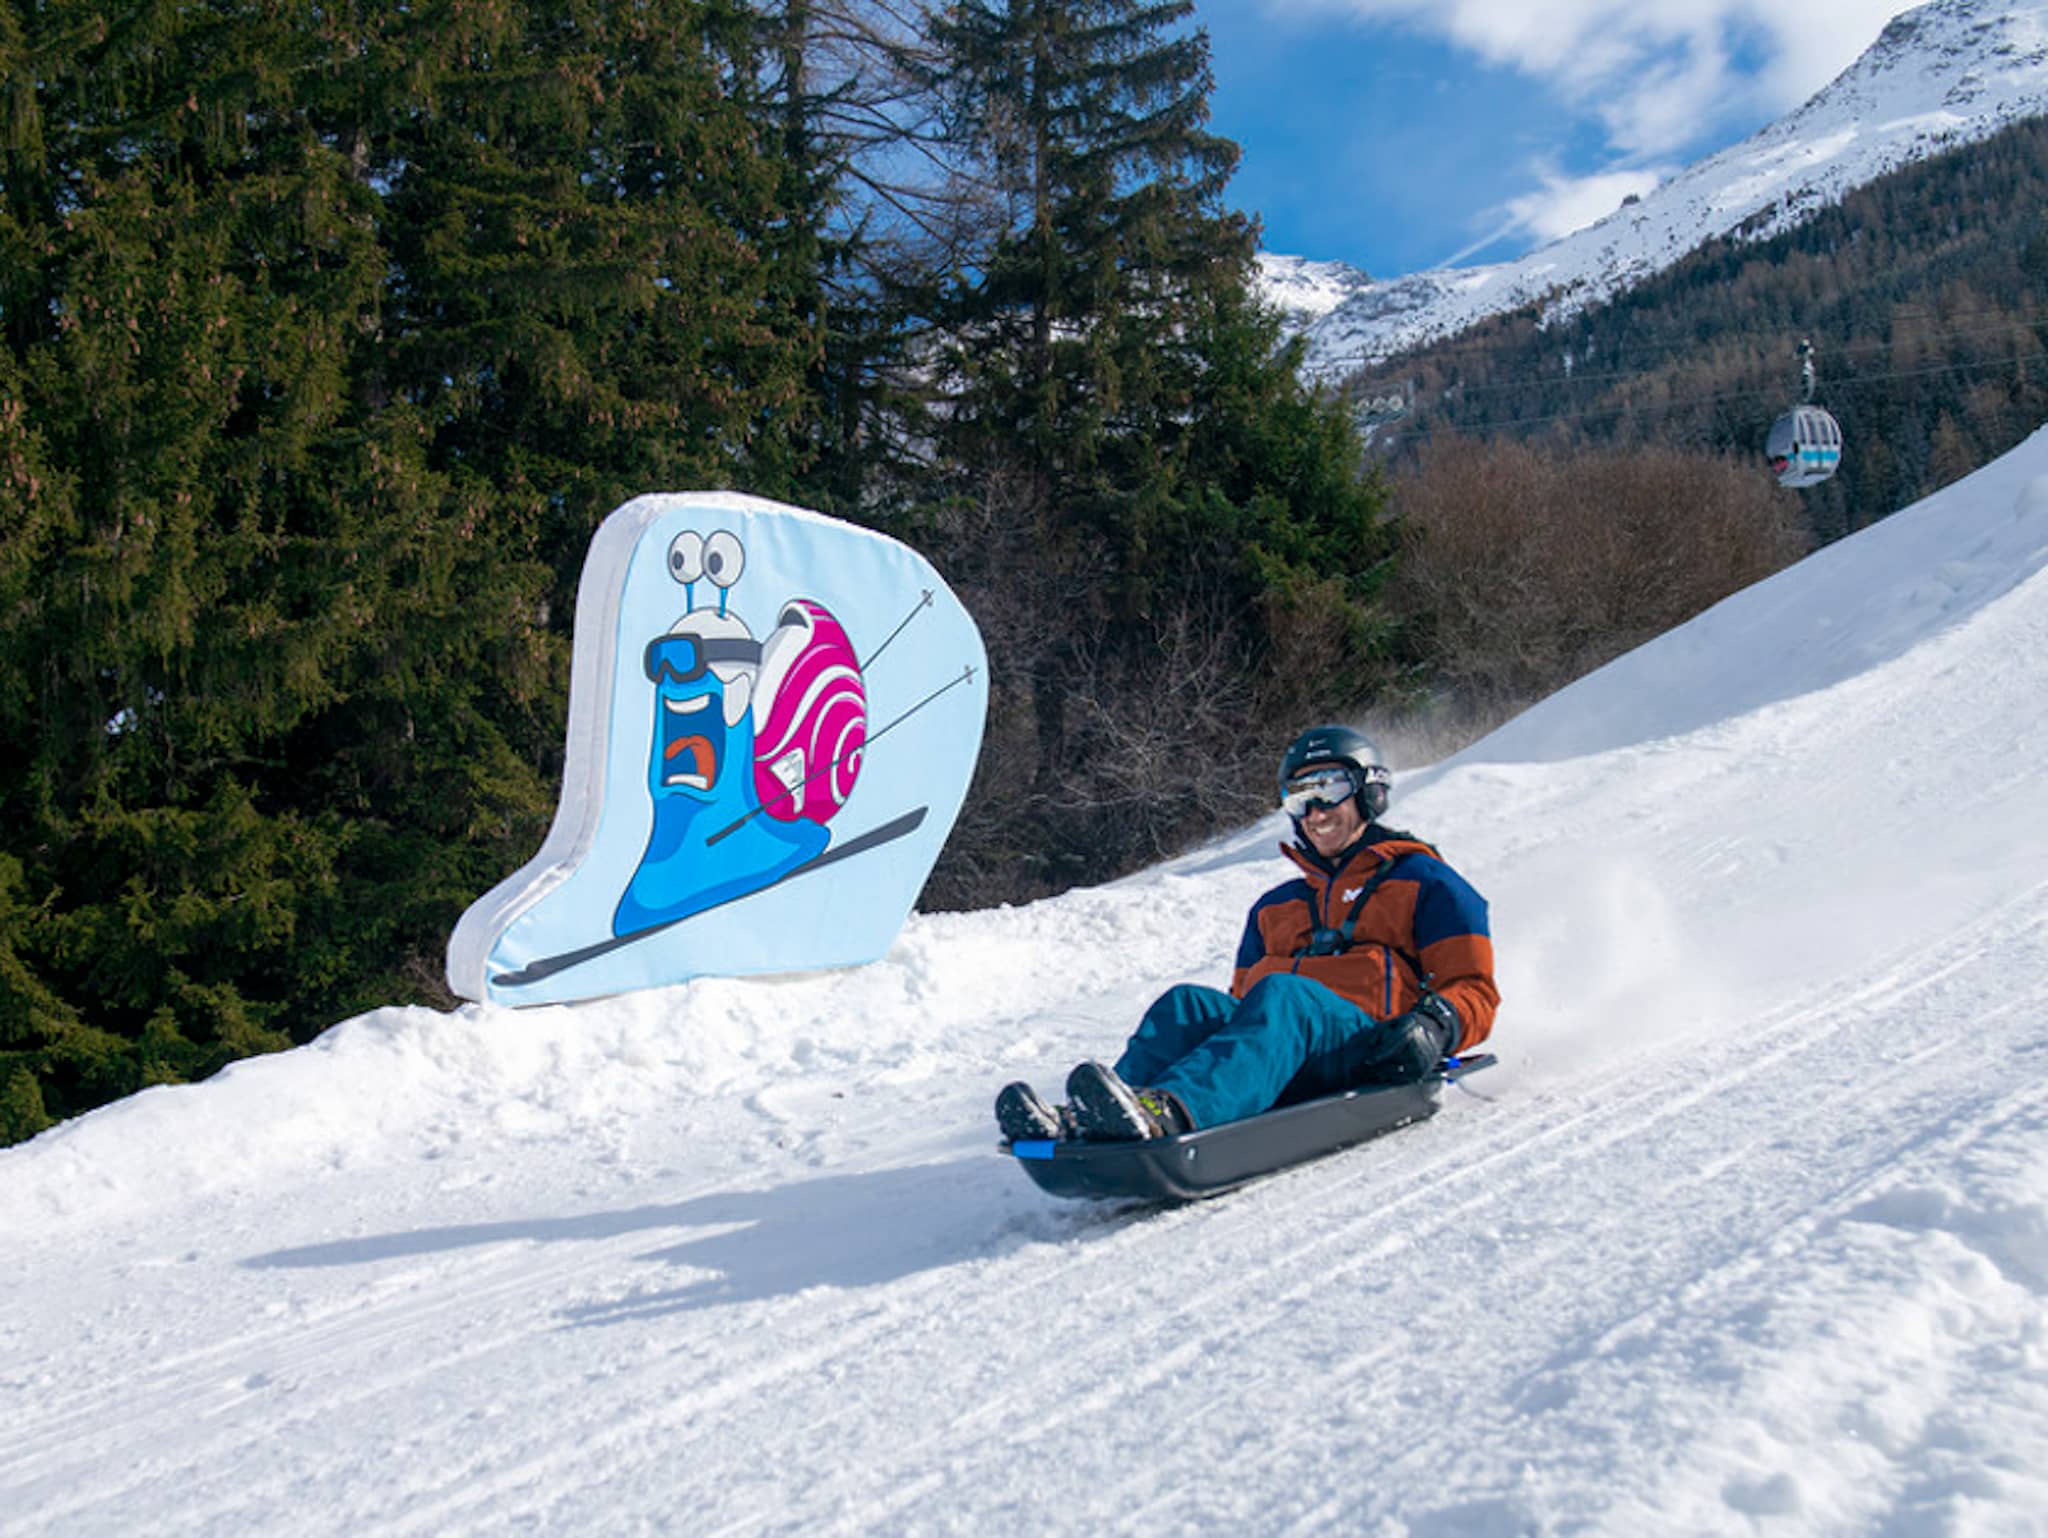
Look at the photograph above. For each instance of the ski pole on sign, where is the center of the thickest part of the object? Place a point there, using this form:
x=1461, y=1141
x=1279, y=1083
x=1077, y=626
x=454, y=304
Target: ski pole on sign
x=915, y=609
x=966, y=675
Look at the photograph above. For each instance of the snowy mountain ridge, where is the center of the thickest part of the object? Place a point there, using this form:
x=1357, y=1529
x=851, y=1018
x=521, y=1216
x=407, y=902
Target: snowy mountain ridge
x=1305, y=290
x=1945, y=74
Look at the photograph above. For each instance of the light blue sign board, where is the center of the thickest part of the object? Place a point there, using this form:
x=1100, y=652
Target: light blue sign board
x=773, y=717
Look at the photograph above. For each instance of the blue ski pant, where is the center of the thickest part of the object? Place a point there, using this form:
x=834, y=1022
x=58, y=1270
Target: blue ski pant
x=1228, y=1058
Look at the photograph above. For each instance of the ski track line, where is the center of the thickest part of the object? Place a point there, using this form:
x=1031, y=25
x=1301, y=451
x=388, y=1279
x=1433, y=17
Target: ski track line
x=194, y=1389
x=686, y=1414
x=1146, y=1388
x=338, y=1318
x=1595, y=1311
x=1246, y=1303
x=171, y=1417
x=1714, y=1291
x=345, y=1334
x=572, y=1438
x=563, y=1446
x=1905, y=1076
x=1415, y=1183
x=343, y=1320
x=166, y=1386
x=684, y=1401
x=416, y=1315
x=1152, y=1227
x=402, y=1320
x=752, y=1385
x=1002, y=1412
x=569, y=1446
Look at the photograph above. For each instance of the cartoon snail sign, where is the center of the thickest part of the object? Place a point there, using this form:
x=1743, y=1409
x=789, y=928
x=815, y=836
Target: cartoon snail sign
x=772, y=721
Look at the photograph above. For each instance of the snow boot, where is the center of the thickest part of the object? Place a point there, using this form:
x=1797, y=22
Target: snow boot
x=1108, y=1110
x=1023, y=1117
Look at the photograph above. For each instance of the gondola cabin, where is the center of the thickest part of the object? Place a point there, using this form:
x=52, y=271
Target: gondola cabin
x=1805, y=446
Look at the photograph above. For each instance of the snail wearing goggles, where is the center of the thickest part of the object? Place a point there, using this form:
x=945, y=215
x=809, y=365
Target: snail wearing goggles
x=756, y=743
x=802, y=685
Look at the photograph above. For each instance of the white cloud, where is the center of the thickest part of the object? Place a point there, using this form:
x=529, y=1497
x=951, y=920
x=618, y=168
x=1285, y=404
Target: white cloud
x=1655, y=73
x=1562, y=204
x=1658, y=76
x=1815, y=43
x=1568, y=203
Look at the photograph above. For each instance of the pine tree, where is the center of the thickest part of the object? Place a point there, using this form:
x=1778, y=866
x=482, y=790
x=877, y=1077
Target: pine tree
x=185, y=269
x=1070, y=337
x=1114, y=411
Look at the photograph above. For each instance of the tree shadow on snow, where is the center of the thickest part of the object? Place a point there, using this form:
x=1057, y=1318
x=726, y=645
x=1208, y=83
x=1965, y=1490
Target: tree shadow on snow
x=844, y=1231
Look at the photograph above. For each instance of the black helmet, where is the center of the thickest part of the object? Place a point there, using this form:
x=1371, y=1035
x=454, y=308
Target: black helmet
x=1355, y=751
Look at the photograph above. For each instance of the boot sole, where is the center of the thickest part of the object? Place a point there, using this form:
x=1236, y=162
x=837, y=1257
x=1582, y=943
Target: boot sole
x=1103, y=1109
x=1022, y=1117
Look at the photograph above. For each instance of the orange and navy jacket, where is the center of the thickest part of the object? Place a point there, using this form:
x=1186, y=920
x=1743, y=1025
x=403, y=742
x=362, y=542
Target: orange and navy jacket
x=1415, y=924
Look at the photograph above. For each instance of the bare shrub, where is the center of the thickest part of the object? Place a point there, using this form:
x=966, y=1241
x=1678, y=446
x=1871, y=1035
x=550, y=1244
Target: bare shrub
x=1524, y=568
x=1115, y=740
x=1325, y=652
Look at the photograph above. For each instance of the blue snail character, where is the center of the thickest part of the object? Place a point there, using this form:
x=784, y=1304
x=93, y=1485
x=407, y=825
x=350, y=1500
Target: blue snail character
x=729, y=805
x=730, y=815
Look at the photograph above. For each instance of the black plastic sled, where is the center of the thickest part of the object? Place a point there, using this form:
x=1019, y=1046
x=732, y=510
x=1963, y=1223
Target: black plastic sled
x=1212, y=1160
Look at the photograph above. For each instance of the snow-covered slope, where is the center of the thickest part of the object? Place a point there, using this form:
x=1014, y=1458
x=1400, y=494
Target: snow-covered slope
x=1306, y=291
x=1749, y=1232
x=1945, y=74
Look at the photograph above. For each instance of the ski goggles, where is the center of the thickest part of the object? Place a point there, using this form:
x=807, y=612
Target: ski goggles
x=685, y=657
x=1331, y=785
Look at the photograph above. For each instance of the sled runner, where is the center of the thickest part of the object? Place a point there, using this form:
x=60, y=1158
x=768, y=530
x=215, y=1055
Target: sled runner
x=1212, y=1160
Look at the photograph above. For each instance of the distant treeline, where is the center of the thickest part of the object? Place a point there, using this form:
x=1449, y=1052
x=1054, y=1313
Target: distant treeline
x=1925, y=294
x=332, y=333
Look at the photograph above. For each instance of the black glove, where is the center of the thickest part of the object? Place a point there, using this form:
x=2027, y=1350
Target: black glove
x=1408, y=1047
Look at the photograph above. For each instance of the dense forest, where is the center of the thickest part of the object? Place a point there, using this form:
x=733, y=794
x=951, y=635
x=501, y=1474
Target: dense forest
x=331, y=334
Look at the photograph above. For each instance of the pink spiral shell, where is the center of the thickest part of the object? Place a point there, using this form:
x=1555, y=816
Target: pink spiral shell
x=810, y=716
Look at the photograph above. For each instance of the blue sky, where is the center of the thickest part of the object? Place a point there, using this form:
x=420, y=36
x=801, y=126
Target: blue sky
x=1404, y=134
